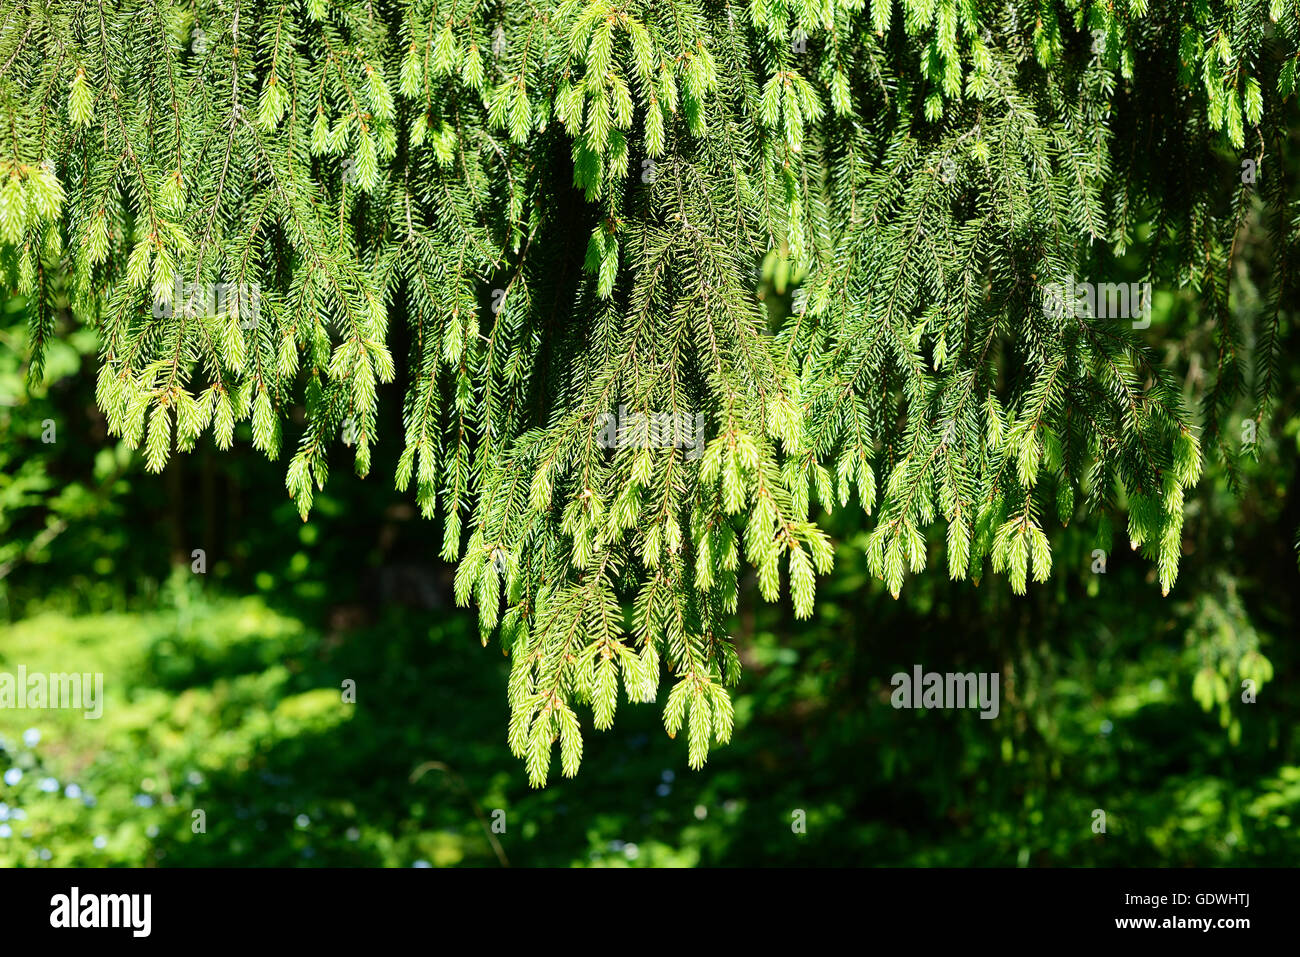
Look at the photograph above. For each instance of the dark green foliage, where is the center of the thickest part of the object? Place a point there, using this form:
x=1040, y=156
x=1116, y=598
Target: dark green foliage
x=533, y=218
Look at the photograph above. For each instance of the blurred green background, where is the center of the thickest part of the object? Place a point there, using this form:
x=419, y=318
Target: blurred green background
x=223, y=689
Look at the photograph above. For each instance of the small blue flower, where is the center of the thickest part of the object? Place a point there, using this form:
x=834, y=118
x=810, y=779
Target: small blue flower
x=143, y=800
x=13, y=776
x=49, y=785
x=664, y=790
x=31, y=737
x=18, y=814
x=302, y=820
x=422, y=864
x=72, y=791
x=151, y=830
x=100, y=842
x=5, y=830
x=4, y=811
